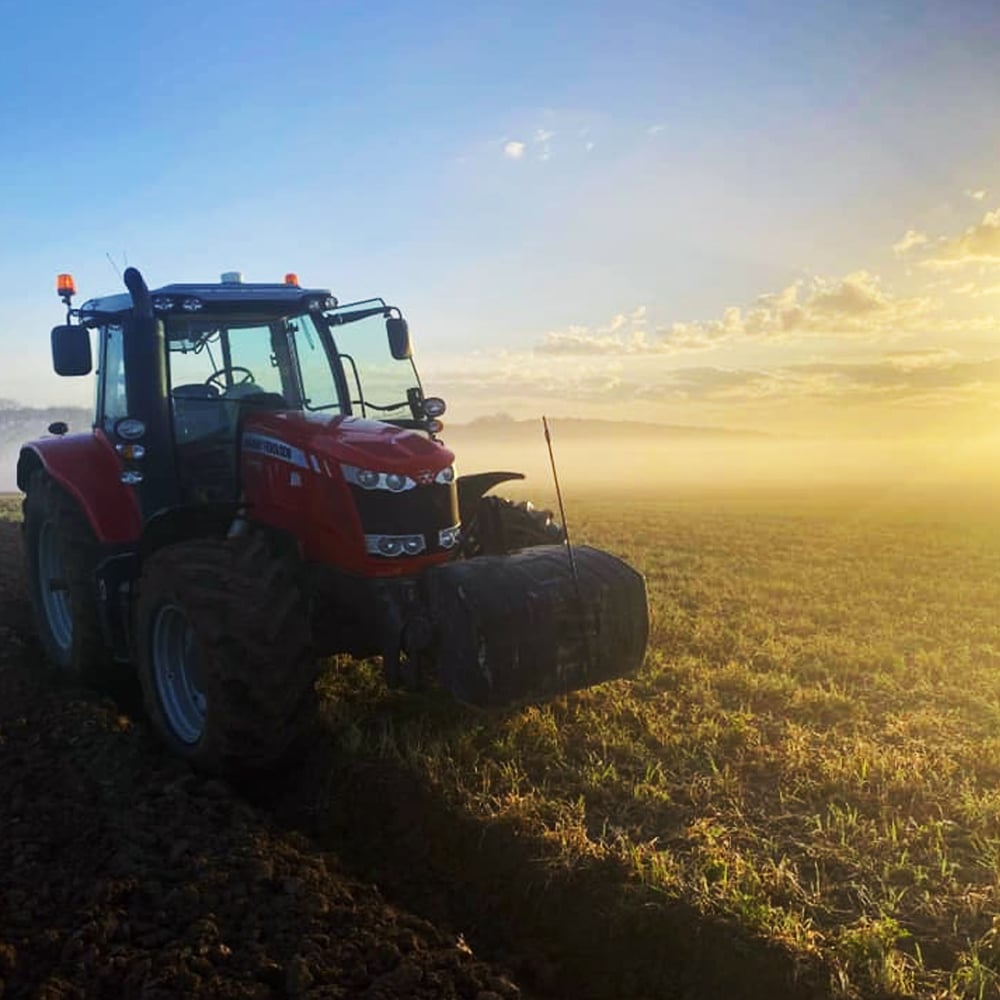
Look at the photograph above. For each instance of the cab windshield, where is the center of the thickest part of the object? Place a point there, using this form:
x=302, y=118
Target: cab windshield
x=229, y=358
x=339, y=361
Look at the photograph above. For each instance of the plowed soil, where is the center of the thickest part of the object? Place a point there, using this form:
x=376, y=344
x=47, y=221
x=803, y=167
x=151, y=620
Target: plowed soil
x=122, y=874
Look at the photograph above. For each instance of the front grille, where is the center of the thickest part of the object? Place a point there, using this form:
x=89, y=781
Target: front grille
x=424, y=510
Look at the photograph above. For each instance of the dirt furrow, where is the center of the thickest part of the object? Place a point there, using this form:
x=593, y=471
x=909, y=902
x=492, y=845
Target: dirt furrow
x=123, y=874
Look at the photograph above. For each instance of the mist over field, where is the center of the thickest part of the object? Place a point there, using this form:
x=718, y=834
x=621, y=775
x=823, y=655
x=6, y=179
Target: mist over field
x=605, y=455
x=24, y=423
x=611, y=455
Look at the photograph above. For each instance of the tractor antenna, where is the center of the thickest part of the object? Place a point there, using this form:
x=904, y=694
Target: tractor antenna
x=562, y=509
x=111, y=261
x=569, y=550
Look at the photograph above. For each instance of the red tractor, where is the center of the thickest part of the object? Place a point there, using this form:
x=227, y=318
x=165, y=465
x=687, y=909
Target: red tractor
x=264, y=486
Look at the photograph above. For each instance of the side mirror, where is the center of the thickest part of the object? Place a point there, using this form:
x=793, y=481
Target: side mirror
x=398, y=332
x=71, y=350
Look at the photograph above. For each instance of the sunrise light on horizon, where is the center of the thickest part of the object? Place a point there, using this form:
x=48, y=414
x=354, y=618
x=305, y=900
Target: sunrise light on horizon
x=762, y=216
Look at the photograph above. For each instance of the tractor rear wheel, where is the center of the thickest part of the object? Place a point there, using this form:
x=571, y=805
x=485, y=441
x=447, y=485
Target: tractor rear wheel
x=224, y=653
x=502, y=526
x=61, y=556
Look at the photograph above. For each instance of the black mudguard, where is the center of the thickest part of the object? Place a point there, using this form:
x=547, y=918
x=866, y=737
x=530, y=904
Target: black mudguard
x=471, y=488
x=522, y=627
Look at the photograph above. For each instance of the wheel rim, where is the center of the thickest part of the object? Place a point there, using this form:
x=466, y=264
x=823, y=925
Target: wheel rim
x=54, y=589
x=177, y=671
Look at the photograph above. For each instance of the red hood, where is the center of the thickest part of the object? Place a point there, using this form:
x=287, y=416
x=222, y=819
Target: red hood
x=365, y=443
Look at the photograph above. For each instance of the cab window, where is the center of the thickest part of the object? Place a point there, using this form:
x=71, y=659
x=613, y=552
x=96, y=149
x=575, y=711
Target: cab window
x=113, y=400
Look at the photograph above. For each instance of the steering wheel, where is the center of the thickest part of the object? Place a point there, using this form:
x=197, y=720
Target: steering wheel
x=218, y=378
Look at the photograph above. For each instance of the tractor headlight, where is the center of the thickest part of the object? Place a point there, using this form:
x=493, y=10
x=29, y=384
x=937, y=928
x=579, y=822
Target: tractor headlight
x=392, y=546
x=368, y=479
x=434, y=406
x=446, y=475
x=448, y=538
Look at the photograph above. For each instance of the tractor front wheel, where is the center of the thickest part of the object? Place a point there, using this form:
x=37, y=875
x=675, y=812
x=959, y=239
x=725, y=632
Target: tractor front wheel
x=224, y=653
x=502, y=526
x=61, y=556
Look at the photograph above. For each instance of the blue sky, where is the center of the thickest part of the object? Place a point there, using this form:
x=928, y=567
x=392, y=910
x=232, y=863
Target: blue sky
x=548, y=181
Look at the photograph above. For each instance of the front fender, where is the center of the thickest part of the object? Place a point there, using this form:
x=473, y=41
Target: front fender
x=87, y=468
x=472, y=487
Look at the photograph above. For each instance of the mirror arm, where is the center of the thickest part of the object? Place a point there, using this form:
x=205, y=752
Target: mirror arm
x=341, y=319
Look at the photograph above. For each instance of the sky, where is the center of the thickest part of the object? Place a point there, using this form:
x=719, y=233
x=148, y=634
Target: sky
x=765, y=215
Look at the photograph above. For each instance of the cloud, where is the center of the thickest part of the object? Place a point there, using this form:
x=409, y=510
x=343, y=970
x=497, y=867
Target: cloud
x=920, y=379
x=934, y=357
x=979, y=244
x=540, y=144
x=856, y=306
x=903, y=390
x=542, y=138
x=654, y=130
x=625, y=333
x=910, y=375
x=929, y=381
x=978, y=195
x=524, y=376
x=910, y=239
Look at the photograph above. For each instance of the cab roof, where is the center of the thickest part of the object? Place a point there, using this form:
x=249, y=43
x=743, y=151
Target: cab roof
x=215, y=298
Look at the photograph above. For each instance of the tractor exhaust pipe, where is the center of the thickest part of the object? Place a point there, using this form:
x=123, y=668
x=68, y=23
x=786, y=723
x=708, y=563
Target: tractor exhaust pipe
x=142, y=302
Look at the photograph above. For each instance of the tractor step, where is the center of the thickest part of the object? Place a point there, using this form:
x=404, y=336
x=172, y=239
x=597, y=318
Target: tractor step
x=523, y=627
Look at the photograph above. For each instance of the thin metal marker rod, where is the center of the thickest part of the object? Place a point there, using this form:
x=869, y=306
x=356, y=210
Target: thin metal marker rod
x=569, y=551
x=562, y=510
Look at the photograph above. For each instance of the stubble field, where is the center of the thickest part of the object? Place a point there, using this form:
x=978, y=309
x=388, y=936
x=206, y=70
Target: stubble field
x=804, y=780
x=798, y=795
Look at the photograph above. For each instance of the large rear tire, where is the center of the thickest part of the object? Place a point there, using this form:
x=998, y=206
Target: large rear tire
x=61, y=555
x=502, y=526
x=224, y=653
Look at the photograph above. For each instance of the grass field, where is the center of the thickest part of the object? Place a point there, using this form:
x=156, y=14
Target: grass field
x=811, y=753
x=803, y=781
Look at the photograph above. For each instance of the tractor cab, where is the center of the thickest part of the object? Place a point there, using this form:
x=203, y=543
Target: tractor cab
x=228, y=352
